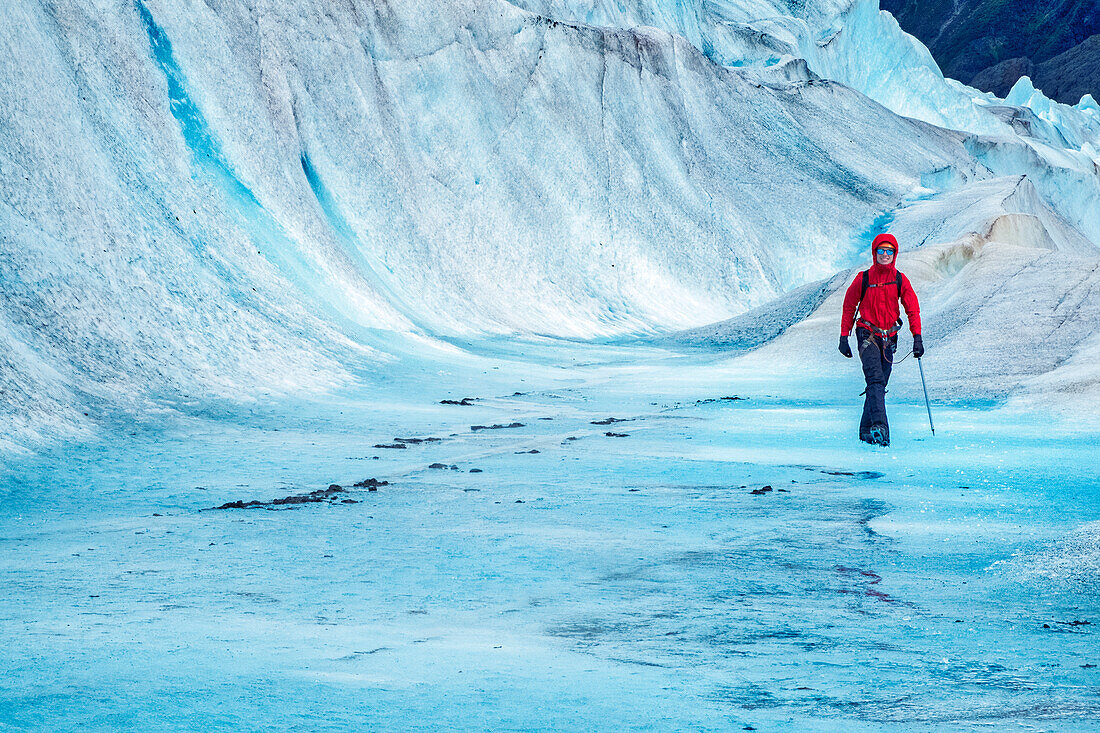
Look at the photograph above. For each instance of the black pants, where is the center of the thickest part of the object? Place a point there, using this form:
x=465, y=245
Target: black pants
x=877, y=355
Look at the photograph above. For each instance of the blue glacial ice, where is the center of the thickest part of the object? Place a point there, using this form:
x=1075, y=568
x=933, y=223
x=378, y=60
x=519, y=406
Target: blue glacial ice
x=664, y=542
x=247, y=249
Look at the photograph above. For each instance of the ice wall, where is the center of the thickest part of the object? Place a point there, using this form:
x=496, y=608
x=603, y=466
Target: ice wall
x=850, y=41
x=500, y=171
x=856, y=44
x=226, y=199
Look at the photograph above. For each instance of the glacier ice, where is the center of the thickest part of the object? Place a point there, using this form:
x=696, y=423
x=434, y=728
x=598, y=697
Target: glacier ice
x=189, y=213
x=586, y=256
x=635, y=579
x=225, y=201
x=1008, y=295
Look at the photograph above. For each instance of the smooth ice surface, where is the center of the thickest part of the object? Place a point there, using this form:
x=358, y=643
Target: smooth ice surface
x=610, y=566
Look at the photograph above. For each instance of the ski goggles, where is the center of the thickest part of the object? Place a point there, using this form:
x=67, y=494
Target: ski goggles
x=884, y=251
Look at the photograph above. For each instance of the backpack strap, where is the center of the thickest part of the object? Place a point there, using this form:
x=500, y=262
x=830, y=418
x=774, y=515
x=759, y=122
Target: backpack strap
x=885, y=333
x=866, y=283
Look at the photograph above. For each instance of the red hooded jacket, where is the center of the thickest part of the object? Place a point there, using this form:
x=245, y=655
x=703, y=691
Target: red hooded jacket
x=879, y=306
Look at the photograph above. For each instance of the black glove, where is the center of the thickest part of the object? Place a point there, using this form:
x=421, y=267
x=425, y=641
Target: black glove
x=918, y=347
x=847, y=350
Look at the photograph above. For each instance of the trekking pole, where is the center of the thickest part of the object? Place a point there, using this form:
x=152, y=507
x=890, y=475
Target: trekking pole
x=926, y=403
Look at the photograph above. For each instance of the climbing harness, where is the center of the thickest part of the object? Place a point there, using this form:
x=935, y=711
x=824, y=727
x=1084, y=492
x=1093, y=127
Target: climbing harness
x=881, y=338
x=883, y=333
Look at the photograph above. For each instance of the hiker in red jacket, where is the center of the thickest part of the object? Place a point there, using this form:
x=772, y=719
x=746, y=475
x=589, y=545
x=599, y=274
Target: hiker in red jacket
x=875, y=292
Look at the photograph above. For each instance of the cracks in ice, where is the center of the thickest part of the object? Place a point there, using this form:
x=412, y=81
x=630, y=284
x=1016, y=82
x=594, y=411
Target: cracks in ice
x=1082, y=335
x=606, y=143
x=528, y=85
